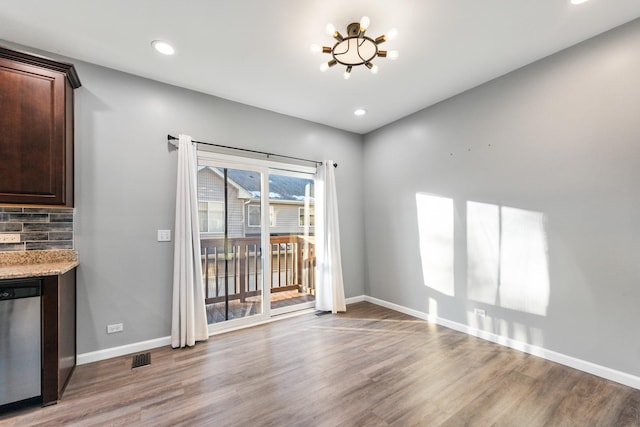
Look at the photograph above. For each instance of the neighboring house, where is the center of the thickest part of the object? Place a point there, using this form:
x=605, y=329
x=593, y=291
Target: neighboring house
x=211, y=204
x=289, y=199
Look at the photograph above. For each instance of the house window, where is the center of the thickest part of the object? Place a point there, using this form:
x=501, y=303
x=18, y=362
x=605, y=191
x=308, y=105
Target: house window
x=211, y=216
x=312, y=217
x=253, y=216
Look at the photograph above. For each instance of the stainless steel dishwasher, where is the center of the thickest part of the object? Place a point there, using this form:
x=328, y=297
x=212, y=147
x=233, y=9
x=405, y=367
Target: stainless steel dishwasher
x=20, y=340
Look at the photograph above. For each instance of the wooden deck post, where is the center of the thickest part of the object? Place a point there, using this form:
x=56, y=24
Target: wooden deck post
x=240, y=271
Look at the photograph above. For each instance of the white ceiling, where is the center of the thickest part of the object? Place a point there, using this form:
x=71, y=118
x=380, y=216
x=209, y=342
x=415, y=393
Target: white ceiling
x=257, y=51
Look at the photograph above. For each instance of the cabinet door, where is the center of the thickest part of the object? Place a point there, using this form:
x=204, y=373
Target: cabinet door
x=32, y=135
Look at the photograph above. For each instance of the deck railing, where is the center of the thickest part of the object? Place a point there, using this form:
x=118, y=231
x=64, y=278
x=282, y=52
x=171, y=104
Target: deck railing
x=236, y=274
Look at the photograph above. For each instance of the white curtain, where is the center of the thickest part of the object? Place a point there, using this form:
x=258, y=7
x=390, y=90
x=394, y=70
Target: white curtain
x=189, y=318
x=329, y=283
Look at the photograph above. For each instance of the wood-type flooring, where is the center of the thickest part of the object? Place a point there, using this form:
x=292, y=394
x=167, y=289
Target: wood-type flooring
x=368, y=367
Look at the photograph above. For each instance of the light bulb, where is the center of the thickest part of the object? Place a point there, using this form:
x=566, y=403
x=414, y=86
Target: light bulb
x=392, y=34
x=364, y=23
x=374, y=69
x=578, y=1
x=324, y=67
x=360, y=112
x=331, y=30
x=347, y=75
x=393, y=55
x=315, y=48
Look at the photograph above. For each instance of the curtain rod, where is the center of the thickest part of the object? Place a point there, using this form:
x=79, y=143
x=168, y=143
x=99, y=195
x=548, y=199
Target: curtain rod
x=173, y=138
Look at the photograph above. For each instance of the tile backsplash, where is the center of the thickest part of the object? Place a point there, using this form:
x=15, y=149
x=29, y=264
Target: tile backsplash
x=39, y=228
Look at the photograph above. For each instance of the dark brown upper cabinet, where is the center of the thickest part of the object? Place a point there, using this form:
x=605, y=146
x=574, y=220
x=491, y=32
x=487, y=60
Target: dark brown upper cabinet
x=36, y=129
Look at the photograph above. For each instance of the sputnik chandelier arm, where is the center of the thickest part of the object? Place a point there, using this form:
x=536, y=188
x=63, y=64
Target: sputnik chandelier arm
x=355, y=49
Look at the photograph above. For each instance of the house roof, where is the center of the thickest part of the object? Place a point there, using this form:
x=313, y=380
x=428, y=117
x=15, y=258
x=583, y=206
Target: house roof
x=282, y=187
x=242, y=192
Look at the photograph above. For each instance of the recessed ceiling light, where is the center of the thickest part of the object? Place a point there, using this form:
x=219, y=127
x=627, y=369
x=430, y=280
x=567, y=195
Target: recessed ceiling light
x=578, y=1
x=360, y=112
x=163, y=47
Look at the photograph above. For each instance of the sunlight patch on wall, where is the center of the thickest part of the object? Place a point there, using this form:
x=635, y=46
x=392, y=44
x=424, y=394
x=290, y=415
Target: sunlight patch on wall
x=480, y=323
x=433, y=308
x=524, y=275
x=435, y=226
x=483, y=251
x=508, y=333
x=507, y=258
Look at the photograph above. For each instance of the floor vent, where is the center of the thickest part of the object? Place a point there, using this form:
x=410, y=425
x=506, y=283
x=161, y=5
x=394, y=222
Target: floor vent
x=141, y=360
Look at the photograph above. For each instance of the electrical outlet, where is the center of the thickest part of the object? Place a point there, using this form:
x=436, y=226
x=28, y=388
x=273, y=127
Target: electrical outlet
x=480, y=312
x=164, y=235
x=116, y=327
x=10, y=238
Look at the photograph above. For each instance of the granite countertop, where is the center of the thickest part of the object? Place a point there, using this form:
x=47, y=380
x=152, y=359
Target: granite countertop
x=17, y=265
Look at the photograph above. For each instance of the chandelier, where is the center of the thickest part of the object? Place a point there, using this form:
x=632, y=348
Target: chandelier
x=354, y=49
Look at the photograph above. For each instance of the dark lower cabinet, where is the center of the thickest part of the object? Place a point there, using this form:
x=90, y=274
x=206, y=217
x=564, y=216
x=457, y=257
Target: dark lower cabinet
x=58, y=334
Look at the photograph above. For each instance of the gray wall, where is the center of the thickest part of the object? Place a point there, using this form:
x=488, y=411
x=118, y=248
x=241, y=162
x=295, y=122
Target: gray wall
x=125, y=191
x=558, y=140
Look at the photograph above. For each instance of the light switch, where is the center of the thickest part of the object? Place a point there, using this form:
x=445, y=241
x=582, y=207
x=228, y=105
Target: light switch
x=164, y=235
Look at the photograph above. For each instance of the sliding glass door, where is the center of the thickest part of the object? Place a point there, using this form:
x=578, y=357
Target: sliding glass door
x=257, y=239
x=292, y=240
x=231, y=239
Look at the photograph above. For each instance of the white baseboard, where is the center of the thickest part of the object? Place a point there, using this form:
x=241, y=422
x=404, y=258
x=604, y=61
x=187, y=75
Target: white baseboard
x=572, y=362
x=563, y=359
x=353, y=300
x=108, y=353
x=95, y=356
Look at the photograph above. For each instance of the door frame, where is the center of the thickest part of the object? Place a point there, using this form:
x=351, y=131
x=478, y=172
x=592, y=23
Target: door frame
x=304, y=305
x=264, y=167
